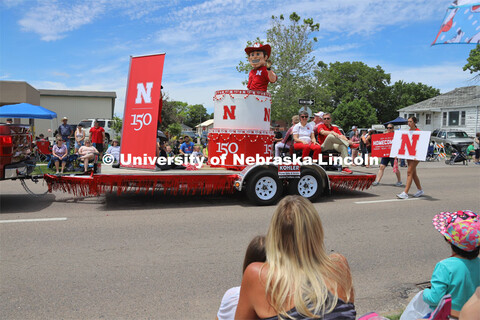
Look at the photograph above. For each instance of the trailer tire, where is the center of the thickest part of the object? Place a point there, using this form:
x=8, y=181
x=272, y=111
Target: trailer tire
x=309, y=186
x=264, y=188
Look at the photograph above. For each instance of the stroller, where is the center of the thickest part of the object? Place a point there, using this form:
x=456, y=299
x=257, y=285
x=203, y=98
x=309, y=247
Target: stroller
x=431, y=155
x=458, y=155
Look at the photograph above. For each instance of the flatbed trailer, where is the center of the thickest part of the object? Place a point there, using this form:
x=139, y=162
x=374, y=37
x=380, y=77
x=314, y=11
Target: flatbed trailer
x=263, y=184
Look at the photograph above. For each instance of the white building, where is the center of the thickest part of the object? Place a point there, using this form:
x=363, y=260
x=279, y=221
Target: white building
x=457, y=109
x=73, y=104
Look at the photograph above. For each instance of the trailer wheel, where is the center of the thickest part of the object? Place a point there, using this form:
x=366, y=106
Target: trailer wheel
x=264, y=188
x=310, y=185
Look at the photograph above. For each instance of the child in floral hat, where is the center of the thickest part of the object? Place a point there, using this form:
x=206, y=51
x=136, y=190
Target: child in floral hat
x=458, y=275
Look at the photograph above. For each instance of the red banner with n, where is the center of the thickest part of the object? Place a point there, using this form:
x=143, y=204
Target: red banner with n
x=142, y=111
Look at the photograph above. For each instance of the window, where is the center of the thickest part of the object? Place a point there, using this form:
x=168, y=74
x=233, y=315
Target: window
x=405, y=116
x=442, y=134
x=444, y=119
x=434, y=133
x=428, y=118
x=453, y=118
x=457, y=134
x=462, y=118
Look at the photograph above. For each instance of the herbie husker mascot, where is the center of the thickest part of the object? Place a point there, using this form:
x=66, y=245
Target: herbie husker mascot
x=261, y=74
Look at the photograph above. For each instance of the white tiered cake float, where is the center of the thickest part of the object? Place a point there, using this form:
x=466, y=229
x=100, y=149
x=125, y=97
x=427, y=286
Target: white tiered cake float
x=241, y=127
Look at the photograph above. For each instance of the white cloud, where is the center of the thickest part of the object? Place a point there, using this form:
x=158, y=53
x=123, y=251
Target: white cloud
x=445, y=77
x=52, y=22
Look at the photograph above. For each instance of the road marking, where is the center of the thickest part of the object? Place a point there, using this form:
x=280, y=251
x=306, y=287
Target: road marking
x=33, y=220
x=389, y=200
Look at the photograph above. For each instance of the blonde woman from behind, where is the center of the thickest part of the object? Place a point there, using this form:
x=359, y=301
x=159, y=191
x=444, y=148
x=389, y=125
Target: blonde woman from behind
x=298, y=280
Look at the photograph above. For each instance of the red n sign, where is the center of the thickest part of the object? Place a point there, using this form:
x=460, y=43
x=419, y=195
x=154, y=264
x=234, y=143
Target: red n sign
x=142, y=109
x=410, y=145
x=229, y=112
x=266, y=115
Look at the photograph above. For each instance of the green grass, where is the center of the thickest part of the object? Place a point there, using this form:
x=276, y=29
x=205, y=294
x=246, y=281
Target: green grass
x=394, y=316
x=41, y=169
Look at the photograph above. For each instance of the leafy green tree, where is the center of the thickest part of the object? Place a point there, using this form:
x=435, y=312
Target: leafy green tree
x=292, y=45
x=172, y=112
x=196, y=114
x=473, y=61
x=404, y=94
x=117, y=126
x=174, y=129
x=343, y=82
x=357, y=112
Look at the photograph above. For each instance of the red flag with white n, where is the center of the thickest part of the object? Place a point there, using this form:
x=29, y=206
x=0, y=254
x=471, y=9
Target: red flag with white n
x=142, y=111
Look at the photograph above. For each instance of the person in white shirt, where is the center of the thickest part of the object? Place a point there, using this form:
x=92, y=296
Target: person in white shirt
x=304, y=137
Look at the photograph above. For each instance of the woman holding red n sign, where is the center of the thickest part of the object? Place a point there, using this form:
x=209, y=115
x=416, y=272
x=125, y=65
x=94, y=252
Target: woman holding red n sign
x=412, y=168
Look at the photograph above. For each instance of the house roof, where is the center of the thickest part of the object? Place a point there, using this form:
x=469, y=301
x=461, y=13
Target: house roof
x=457, y=98
x=77, y=93
x=205, y=123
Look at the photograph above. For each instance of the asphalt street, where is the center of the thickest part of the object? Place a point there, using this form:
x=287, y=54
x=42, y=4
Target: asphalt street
x=141, y=256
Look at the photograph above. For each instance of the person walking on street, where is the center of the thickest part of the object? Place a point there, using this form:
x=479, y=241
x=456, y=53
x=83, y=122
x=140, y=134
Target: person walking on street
x=354, y=137
x=384, y=163
x=412, y=168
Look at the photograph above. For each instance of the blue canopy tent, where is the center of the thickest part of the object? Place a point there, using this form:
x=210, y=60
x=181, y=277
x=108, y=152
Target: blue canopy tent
x=397, y=122
x=27, y=111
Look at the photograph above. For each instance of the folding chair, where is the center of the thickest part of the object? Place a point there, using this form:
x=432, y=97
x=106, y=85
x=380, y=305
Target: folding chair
x=44, y=151
x=442, y=312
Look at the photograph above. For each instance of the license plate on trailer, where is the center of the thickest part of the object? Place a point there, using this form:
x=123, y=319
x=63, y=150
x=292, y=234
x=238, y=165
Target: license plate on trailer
x=289, y=171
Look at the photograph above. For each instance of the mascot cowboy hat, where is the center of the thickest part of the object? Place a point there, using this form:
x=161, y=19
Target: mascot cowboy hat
x=259, y=47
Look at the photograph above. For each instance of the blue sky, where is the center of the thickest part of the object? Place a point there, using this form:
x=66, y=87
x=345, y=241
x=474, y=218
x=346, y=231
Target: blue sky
x=86, y=45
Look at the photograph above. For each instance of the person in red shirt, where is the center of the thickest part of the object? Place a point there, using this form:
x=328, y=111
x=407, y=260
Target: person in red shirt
x=330, y=138
x=261, y=74
x=97, y=136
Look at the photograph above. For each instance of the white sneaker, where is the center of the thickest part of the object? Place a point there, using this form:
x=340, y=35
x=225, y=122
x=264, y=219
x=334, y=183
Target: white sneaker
x=419, y=194
x=402, y=195
x=375, y=183
x=399, y=184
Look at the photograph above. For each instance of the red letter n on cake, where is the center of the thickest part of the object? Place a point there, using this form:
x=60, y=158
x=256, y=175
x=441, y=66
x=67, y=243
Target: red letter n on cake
x=229, y=112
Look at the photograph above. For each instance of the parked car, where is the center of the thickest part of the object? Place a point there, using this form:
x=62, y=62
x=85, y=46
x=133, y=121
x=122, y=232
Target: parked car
x=106, y=124
x=191, y=134
x=451, y=137
x=359, y=131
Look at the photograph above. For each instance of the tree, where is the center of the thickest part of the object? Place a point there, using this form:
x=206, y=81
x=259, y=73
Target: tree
x=196, y=114
x=292, y=46
x=404, y=94
x=356, y=112
x=174, y=129
x=343, y=82
x=473, y=61
x=117, y=126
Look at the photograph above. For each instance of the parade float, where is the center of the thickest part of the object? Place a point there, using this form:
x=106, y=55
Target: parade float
x=241, y=132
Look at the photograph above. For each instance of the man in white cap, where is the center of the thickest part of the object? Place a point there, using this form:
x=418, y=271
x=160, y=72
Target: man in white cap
x=65, y=130
x=317, y=120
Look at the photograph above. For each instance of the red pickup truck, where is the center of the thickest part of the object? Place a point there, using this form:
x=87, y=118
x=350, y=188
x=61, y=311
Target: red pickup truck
x=16, y=156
